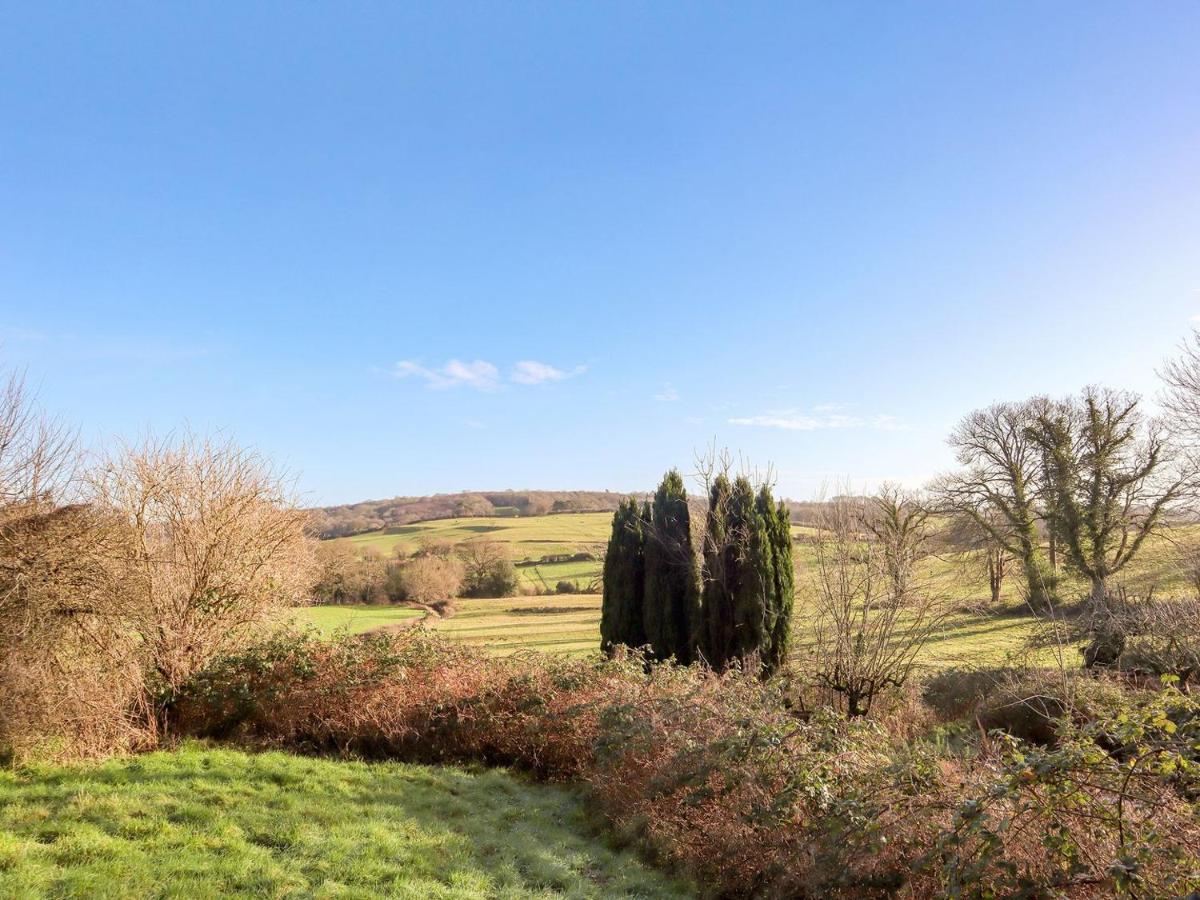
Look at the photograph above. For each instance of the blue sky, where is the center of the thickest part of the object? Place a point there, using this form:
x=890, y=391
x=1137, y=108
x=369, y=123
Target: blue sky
x=410, y=248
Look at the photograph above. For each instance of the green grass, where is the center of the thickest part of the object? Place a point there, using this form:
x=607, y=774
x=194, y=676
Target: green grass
x=529, y=537
x=199, y=823
x=562, y=623
x=557, y=534
x=968, y=638
x=355, y=619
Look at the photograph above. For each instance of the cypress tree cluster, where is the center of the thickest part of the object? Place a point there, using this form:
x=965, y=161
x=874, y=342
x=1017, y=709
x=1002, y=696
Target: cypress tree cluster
x=749, y=587
x=624, y=578
x=650, y=584
x=671, y=591
x=652, y=596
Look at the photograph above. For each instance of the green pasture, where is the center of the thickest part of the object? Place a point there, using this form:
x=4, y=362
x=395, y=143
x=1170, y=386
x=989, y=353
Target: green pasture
x=529, y=538
x=976, y=633
x=570, y=624
x=355, y=619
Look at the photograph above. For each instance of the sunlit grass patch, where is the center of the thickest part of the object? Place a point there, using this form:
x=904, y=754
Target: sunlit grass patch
x=206, y=823
x=354, y=618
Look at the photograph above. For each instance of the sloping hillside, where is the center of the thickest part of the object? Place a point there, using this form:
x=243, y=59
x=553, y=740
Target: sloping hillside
x=373, y=515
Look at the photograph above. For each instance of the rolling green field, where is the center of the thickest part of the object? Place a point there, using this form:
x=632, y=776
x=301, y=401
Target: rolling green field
x=530, y=539
x=570, y=623
x=200, y=822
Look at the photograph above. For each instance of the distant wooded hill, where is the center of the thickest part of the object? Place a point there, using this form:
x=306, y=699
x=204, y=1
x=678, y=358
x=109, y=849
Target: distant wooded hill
x=372, y=515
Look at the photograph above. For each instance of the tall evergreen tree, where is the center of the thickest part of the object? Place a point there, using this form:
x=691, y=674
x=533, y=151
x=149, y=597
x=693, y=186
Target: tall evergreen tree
x=624, y=579
x=714, y=636
x=779, y=530
x=672, y=589
x=749, y=589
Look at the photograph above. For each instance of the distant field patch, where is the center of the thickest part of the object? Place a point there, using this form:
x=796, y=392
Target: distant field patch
x=355, y=619
x=529, y=539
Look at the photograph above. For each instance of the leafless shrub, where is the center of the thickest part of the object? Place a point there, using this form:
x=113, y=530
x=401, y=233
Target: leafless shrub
x=866, y=636
x=209, y=546
x=67, y=677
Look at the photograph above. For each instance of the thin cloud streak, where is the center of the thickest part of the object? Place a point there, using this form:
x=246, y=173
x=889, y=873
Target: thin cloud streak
x=481, y=375
x=794, y=420
x=529, y=371
x=478, y=375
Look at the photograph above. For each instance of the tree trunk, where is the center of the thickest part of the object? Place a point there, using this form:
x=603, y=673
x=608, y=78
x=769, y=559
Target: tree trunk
x=995, y=573
x=1035, y=578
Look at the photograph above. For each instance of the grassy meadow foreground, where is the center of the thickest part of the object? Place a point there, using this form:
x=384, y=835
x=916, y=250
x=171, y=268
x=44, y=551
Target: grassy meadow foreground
x=202, y=822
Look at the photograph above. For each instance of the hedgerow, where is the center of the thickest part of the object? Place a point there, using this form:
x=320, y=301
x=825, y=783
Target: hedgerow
x=729, y=780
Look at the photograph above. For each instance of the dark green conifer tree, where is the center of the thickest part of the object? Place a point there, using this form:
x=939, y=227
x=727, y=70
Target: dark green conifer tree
x=779, y=531
x=624, y=579
x=672, y=590
x=748, y=595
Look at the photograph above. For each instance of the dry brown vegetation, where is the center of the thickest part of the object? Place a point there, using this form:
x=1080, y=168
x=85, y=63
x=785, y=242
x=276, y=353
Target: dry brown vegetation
x=119, y=580
x=728, y=779
x=873, y=607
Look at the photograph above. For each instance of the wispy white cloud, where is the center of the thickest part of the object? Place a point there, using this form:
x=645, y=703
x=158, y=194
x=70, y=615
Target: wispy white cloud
x=820, y=418
x=668, y=394
x=529, y=371
x=479, y=374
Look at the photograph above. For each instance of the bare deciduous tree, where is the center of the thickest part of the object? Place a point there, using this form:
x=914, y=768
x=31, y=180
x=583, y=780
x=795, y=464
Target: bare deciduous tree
x=979, y=548
x=69, y=680
x=899, y=525
x=866, y=638
x=430, y=579
x=487, y=569
x=211, y=546
x=1000, y=486
x=1182, y=397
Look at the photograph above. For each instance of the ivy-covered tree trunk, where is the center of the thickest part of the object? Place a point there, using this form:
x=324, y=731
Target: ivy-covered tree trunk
x=622, y=610
x=672, y=589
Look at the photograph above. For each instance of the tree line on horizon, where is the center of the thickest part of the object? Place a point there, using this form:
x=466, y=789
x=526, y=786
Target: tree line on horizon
x=329, y=522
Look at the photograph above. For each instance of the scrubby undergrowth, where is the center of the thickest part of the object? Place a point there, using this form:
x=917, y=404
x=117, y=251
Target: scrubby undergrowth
x=729, y=781
x=201, y=822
